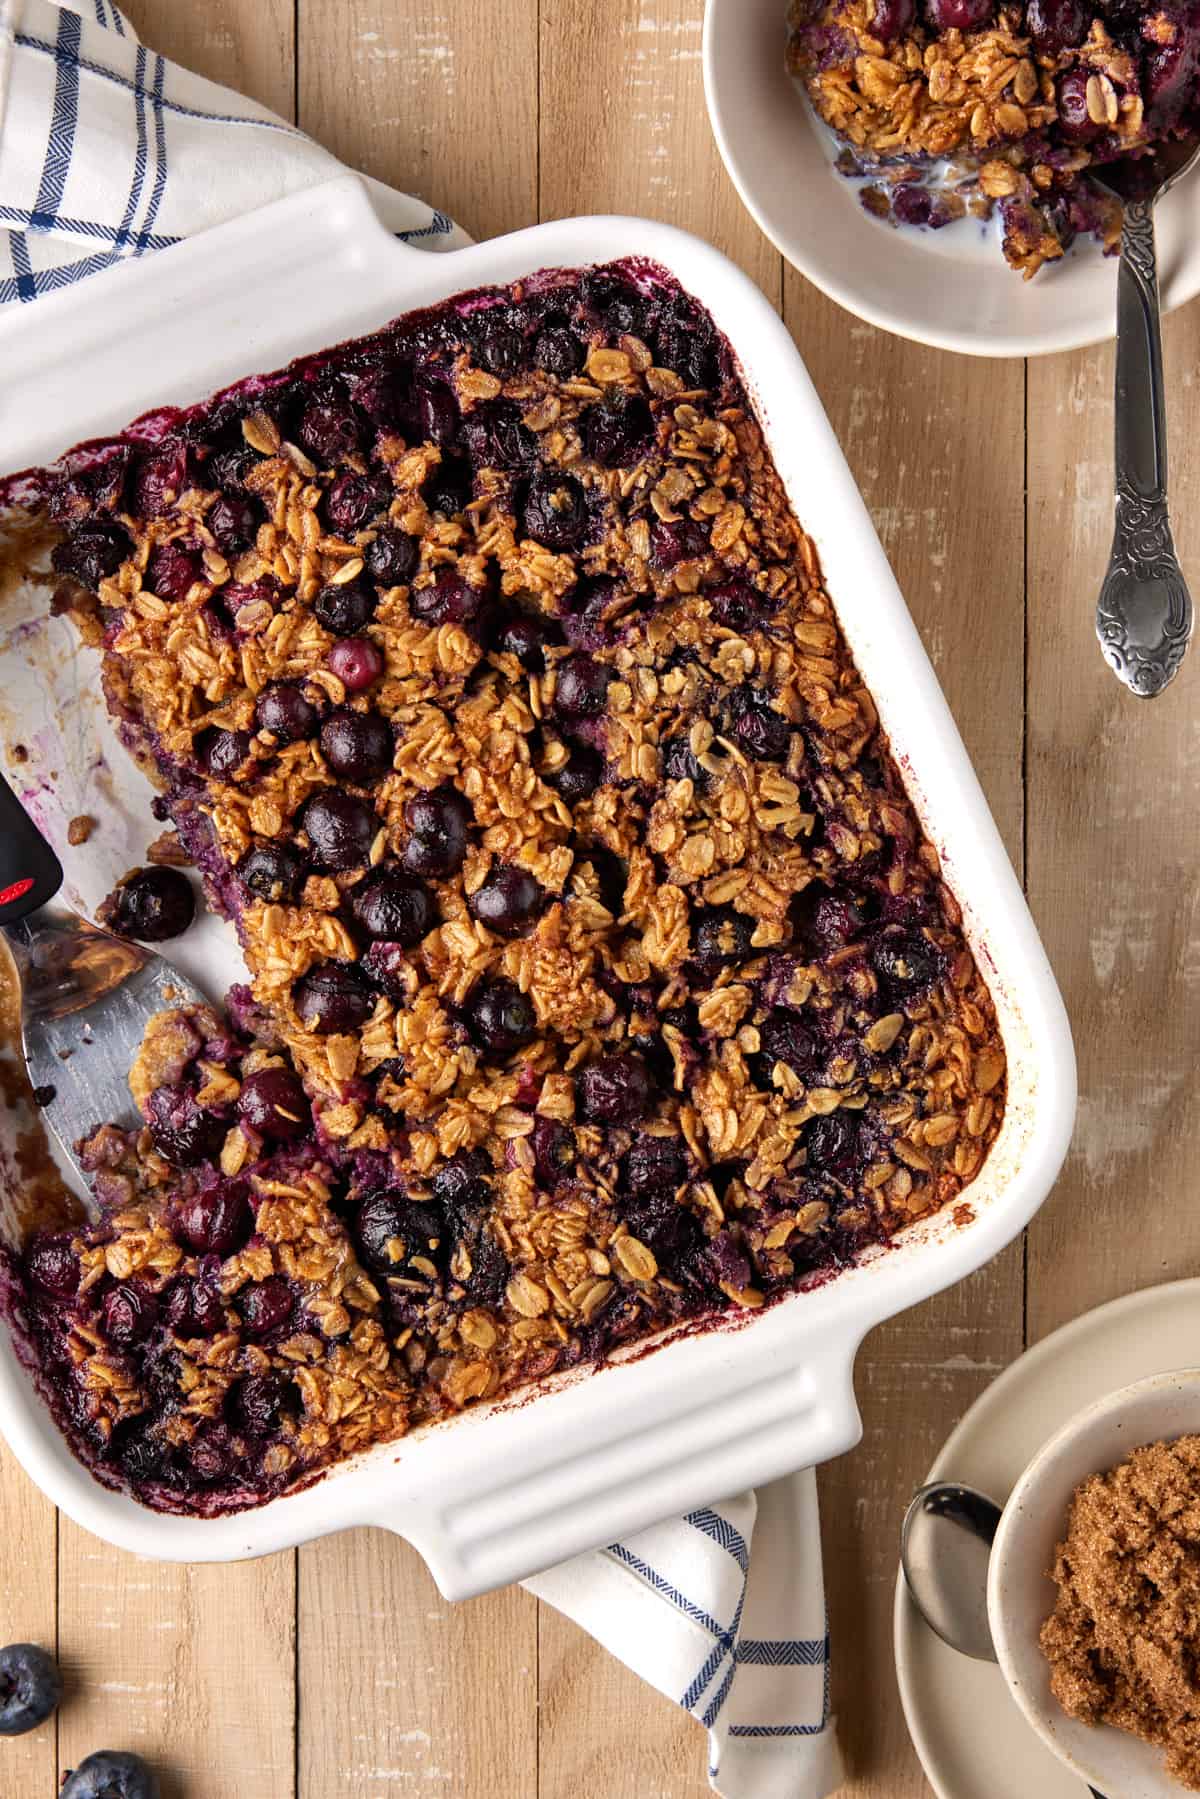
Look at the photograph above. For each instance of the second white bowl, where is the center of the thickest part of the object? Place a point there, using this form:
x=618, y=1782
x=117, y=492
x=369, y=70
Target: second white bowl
x=1021, y=1593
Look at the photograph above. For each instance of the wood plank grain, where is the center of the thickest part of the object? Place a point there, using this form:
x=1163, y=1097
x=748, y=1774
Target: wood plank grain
x=1114, y=794
x=396, y=1686
x=935, y=443
x=401, y=1691
x=423, y=97
x=624, y=129
x=29, y=1614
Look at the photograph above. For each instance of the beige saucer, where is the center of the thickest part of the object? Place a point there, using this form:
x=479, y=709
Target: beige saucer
x=971, y=1737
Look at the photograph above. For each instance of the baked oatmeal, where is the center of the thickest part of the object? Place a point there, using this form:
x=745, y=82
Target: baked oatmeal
x=601, y=981
x=965, y=106
x=1123, y=1642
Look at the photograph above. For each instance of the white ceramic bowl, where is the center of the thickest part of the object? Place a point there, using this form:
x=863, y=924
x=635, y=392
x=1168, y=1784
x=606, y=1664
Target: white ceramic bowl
x=1021, y=1593
x=948, y=288
x=502, y=1491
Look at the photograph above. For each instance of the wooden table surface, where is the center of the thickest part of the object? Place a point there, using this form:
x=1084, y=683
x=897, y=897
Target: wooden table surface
x=338, y=1672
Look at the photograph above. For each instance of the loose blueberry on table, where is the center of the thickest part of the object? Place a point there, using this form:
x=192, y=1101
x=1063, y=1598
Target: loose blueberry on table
x=30, y=1688
x=111, y=1774
x=974, y=106
x=600, y=979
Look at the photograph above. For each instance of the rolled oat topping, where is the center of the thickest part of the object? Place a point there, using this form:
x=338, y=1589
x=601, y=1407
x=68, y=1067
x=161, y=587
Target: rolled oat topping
x=601, y=979
x=965, y=106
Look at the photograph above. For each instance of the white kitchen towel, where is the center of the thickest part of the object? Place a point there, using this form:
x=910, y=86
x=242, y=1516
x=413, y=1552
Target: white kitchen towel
x=107, y=152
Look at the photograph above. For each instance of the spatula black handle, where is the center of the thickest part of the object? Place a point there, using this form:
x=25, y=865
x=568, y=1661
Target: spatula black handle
x=30, y=872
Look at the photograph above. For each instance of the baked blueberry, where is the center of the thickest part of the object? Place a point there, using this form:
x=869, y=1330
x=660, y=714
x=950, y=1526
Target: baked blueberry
x=30, y=1688
x=393, y=556
x=234, y=523
x=655, y=1164
x=559, y=352
x=450, y=600
x=127, y=1314
x=332, y=996
x=358, y=746
x=522, y=637
x=906, y=962
x=581, y=689
x=329, y=430
x=226, y=470
x=464, y=1183
x=153, y=905
x=273, y=1103
x=756, y=726
x=266, y=1306
x=340, y=828
x=347, y=608
x=392, y=1230
x=555, y=510
x=507, y=901
x=832, y=1144
x=221, y=753
x=255, y=1405
x=193, y=1308
x=356, y=661
x=160, y=478
x=273, y=871
x=183, y=1132
x=283, y=710
x=448, y=488
x=394, y=905
x=354, y=500
x=173, y=571
x=437, y=823
x=502, y=1017
x=112, y=1774
x=720, y=934
x=553, y=1151
x=618, y=432
x=579, y=776
x=438, y=414
x=676, y=540
x=92, y=551
x=217, y=1221
x=616, y=1089
x=783, y=1038
x=53, y=1267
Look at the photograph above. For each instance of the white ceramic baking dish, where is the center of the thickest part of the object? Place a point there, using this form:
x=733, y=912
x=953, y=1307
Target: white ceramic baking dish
x=503, y=1491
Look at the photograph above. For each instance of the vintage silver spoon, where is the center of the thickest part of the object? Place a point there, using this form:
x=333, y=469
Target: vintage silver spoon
x=1144, y=614
x=945, y=1546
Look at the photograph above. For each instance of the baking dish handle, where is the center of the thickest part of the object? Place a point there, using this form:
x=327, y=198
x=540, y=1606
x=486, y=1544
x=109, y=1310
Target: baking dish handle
x=30, y=872
x=541, y=1490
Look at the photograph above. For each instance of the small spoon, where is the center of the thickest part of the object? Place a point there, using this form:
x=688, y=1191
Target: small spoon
x=1144, y=614
x=944, y=1550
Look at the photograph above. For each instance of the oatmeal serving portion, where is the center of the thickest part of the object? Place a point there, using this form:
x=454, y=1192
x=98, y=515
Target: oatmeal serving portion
x=969, y=106
x=601, y=980
x=1123, y=1642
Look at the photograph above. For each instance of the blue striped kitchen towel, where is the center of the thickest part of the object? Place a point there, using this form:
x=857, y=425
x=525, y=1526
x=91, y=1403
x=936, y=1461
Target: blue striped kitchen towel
x=108, y=151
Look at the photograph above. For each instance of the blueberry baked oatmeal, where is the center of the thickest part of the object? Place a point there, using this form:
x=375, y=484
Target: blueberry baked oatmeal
x=957, y=106
x=601, y=981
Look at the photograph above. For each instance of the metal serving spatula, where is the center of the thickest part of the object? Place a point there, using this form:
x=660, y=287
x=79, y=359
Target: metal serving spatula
x=86, y=996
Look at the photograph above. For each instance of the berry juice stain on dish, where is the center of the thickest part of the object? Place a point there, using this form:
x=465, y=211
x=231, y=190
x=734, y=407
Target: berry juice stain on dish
x=601, y=981
x=961, y=108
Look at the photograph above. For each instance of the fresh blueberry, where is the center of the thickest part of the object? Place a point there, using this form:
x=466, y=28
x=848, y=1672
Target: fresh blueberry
x=358, y=746
x=502, y=1017
x=555, y=510
x=395, y=906
x=94, y=550
x=183, y=1132
x=283, y=711
x=332, y=996
x=127, y=1314
x=356, y=661
x=153, y=905
x=30, y=1688
x=112, y=1774
x=507, y=901
x=616, y=1089
x=581, y=689
x=340, y=828
x=393, y=556
x=438, y=823
x=347, y=609
x=273, y=871
x=273, y=1103
x=217, y=1221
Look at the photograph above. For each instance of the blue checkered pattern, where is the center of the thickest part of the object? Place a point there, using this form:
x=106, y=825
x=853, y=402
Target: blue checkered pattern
x=108, y=151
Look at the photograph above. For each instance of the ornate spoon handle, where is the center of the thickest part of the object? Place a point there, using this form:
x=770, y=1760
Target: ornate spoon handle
x=1144, y=615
